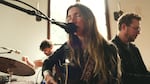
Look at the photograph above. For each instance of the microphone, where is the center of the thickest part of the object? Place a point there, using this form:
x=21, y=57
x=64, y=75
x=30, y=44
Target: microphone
x=69, y=27
x=12, y=50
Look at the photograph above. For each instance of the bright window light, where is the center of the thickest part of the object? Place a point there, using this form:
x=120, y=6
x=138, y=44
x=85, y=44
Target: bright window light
x=98, y=8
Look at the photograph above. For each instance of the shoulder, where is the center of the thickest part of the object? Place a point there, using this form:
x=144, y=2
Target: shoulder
x=134, y=47
x=61, y=49
x=111, y=51
x=115, y=39
x=110, y=46
x=60, y=52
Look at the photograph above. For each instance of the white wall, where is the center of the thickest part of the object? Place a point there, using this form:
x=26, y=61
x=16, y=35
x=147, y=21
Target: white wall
x=140, y=7
x=21, y=31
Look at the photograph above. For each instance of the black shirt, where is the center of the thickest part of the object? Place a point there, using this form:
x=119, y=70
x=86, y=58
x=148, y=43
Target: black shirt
x=132, y=63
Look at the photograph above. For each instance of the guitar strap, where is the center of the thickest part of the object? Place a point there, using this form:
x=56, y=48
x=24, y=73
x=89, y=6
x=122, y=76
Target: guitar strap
x=88, y=69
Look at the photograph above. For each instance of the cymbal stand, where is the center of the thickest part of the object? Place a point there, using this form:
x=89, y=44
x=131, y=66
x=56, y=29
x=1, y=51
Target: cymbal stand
x=10, y=75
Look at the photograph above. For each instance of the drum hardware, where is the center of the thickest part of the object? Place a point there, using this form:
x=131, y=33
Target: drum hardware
x=5, y=78
x=10, y=50
x=5, y=52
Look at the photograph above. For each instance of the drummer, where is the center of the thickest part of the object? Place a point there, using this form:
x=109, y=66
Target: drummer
x=46, y=47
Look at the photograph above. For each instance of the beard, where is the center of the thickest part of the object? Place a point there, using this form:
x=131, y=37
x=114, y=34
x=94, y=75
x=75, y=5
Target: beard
x=131, y=38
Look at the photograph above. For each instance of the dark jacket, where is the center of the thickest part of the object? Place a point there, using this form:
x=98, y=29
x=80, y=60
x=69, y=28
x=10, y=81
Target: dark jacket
x=133, y=69
x=75, y=72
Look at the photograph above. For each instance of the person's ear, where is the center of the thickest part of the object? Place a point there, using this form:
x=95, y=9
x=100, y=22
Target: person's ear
x=123, y=27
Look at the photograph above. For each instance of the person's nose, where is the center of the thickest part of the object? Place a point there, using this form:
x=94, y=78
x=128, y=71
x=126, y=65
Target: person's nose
x=72, y=20
x=139, y=31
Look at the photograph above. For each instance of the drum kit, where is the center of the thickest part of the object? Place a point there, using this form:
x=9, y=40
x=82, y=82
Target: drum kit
x=13, y=67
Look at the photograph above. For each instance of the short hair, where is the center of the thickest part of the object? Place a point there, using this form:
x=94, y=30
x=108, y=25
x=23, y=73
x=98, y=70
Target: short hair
x=45, y=44
x=127, y=19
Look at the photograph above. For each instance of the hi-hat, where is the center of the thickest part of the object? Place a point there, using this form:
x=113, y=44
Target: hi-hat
x=8, y=65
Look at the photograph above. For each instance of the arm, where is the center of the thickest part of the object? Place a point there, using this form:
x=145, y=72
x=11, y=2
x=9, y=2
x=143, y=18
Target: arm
x=50, y=62
x=38, y=63
x=48, y=78
x=114, y=63
x=47, y=70
x=28, y=62
x=35, y=64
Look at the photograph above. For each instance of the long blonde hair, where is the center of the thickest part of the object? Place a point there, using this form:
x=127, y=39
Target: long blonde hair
x=94, y=42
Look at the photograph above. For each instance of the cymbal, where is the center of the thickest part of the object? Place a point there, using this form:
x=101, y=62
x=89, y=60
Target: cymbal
x=8, y=65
